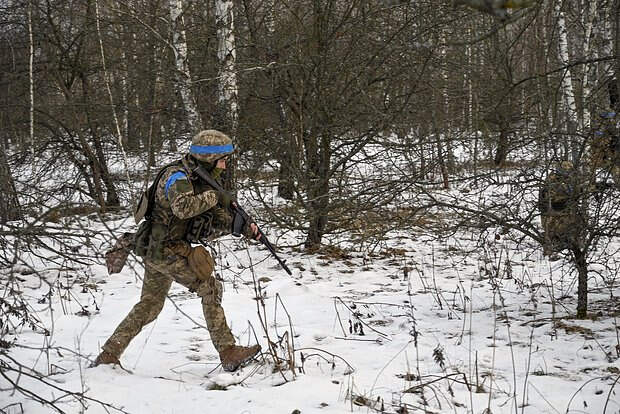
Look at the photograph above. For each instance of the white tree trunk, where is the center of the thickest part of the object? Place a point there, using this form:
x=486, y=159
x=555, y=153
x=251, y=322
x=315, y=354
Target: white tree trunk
x=226, y=53
x=125, y=95
x=183, y=81
x=568, y=90
x=587, y=43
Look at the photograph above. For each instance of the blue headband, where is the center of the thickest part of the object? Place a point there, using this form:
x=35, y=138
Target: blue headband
x=211, y=149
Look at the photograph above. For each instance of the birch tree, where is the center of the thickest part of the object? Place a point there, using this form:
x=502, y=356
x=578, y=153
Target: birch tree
x=183, y=79
x=589, y=19
x=568, y=90
x=226, y=54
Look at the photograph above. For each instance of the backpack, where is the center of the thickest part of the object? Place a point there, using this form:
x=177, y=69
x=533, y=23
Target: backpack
x=144, y=210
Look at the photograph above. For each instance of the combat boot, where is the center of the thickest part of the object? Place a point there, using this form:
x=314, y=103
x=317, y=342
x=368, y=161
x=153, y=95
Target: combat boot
x=234, y=356
x=106, y=358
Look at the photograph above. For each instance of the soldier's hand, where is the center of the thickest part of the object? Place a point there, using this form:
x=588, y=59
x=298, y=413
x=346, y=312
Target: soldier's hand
x=224, y=199
x=255, y=233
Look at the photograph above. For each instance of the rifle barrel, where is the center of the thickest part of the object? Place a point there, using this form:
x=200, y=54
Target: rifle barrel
x=236, y=209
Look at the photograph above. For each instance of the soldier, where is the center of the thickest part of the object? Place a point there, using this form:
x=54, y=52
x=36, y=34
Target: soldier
x=605, y=145
x=558, y=203
x=605, y=148
x=185, y=210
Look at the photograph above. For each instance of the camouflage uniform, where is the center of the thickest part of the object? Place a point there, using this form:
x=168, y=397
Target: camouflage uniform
x=179, y=201
x=558, y=203
x=605, y=147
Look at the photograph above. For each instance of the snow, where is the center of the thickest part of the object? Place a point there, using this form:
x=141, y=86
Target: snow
x=424, y=325
x=433, y=319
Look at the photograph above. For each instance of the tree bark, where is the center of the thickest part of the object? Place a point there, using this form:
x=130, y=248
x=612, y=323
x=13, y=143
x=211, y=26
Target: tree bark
x=616, y=49
x=228, y=88
x=31, y=75
x=318, y=189
x=587, y=46
x=9, y=203
x=182, y=74
x=227, y=113
x=502, y=148
x=582, y=282
x=568, y=90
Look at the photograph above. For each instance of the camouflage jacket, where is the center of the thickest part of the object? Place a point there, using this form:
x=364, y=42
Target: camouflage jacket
x=181, y=200
x=558, y=194
x=605, y=147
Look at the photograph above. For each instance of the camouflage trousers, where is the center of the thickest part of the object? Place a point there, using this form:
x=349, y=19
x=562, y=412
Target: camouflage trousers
x=615, y=174
x=192, y=268
x=561, y=232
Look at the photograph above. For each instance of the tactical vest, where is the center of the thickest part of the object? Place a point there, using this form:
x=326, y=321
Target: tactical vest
x=557, y=194
x=167, y=229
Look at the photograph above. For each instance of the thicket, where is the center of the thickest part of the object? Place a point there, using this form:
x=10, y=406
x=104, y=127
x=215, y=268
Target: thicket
x=361, y=116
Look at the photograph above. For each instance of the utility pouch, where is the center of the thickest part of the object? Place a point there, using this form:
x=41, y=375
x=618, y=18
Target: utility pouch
x=200, y=228
x=143, y=236
x=157, y=242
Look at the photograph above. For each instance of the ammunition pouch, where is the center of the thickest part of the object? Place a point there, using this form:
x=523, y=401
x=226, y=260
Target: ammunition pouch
x=143, y=236
x=200, y=228
x=157, y=242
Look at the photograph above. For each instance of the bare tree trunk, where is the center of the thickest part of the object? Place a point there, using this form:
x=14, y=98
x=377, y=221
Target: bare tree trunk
x=228, y=88
x=502, y=148
x=616, y=46
x=444, y=148
x=469, y=87
x=567, y=81
x=587, y=43
x=286, y=181
x=319, y=156
x=9, y=203
x=441, y=159
x=182, y=75
x=442, y=164
x=582, y=282
x=31, y=77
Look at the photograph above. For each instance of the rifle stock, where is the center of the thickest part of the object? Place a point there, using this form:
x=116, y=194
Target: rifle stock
x=240, y=217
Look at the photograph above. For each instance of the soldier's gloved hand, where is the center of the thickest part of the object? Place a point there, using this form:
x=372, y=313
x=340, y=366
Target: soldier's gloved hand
x=253, y=232
x=222, y=218
x=224, y=199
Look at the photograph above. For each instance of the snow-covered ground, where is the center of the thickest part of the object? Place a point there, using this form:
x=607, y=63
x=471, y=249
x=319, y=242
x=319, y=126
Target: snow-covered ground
x=421, y=326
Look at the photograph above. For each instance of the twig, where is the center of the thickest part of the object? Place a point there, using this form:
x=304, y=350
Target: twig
x=527, y=370
x=330, y=354
x=290, y=324
x=609, y=393
x=80, y=397
x=422, y=385
x=362, y=322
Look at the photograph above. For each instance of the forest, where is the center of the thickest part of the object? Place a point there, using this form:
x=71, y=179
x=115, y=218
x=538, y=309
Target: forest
x=407, y=141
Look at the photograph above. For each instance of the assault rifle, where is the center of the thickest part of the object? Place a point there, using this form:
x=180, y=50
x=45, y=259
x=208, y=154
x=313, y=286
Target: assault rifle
x=240, y=217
